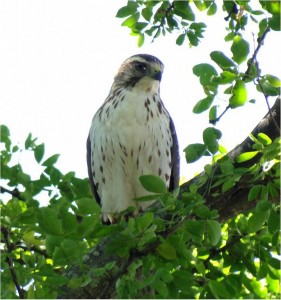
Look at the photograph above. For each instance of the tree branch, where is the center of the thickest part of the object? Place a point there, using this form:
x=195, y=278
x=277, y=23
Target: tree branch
x=15, y=193
x=228, y=204
x=10, y=263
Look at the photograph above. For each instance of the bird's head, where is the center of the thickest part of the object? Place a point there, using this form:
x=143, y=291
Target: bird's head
x=141, y=69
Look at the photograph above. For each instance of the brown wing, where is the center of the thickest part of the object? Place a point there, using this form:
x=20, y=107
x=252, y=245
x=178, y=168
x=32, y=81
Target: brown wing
x=175, y=158
x=90, y=171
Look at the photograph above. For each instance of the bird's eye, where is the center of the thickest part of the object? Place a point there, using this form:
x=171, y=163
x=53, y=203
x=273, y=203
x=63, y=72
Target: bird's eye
x=141, y=67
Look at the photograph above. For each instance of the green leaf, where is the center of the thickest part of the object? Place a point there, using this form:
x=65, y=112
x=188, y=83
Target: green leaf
x=267, y=88
x=153, y=184
x=264, y=139
x=203, y=104
x=257, y=220
x=226, y=167
x=246, y=156
x=202, y=212
x=273, y=80
x=210, y=137
x=254, y=192
x=225, y=78
x=213, y=114
x=144, y=221
x=239, y=94
x=274, y=22
x=212, y=9
x=86, y=206
x=263, y=205
x=52, y=242
x=194, y=151
x=39, y=152
x=131, y=21
x=51, y=160
x=147, y=198
x=48, y=221
x=147, y=13
x=196, y=229
x=183, y=9
x=29, y=142
x=228, y=184
x=180, y=39
x=140, y=40
x=219, y=290
x=193, y=38
x=167, y=251
x=239, y=49
x=5, y=138
x=213, y=231
x=222, y=60
x=230, y=36
x=205, y=72
x=128, y=10
x=273, y=222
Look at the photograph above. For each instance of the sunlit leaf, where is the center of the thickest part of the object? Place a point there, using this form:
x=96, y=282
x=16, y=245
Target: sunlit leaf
x=246, y=156
x=239, y=94
x=240, y=49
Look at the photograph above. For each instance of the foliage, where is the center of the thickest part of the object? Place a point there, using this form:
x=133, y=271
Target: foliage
x=222, y=260
x=179, y=249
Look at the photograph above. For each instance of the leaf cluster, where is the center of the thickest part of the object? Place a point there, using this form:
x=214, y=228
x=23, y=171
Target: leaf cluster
x=178, y=249
x=41, y=241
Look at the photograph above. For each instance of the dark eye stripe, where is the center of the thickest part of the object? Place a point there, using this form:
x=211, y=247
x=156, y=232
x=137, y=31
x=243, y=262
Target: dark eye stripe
x=141, y=67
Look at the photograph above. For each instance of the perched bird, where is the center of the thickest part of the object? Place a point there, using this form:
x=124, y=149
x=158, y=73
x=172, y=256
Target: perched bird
x=132, y=134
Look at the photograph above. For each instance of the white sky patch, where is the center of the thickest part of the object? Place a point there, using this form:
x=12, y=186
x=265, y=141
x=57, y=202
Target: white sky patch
x=58, y=60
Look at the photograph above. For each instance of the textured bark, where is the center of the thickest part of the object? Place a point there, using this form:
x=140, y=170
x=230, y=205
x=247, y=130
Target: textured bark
x=229, y=204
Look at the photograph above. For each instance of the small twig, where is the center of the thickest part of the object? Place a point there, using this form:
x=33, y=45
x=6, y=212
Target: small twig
x=15, y=193
x=34, y=249
x=10, y=263
x=167, y=11
x=246, y=74
x=267, y=103
x=253, y=59
x=219, y=117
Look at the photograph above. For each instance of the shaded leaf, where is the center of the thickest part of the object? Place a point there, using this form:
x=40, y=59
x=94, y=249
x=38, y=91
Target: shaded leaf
x=180, y=39
x=51, y=160
x=213, y=231
x=257, y=220
x=194, y=151
x=39, y=152
x=205, y=72
x=48, y=221
x=254, y=192
x=203, y=104
x=210, y=137
x=221, y=59
x=153, y=184
x=167, y=251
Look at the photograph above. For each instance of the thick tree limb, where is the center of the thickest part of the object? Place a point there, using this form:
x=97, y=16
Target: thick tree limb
x=228, y=205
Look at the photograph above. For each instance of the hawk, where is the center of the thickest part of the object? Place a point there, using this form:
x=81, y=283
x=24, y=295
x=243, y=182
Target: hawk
x=132, y=134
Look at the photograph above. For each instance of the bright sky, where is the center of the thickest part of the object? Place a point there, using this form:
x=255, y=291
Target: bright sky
x=57, y=63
